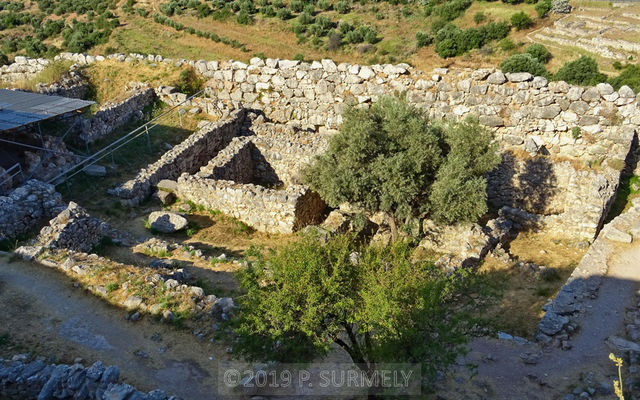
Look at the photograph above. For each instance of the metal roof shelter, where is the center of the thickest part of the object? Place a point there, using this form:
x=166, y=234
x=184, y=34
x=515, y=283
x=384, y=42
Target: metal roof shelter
x=18, y=109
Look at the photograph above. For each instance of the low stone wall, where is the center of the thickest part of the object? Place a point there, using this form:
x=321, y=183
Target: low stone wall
x=25, y=380
x=73, y=229
x=267, y=210
x=585, y=280
x=188, y=156
x=23, y=208
x=113, y=115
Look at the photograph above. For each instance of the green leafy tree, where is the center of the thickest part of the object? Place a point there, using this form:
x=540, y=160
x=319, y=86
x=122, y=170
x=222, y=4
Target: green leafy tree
x=378, y=305
x=387, y=158
x=583, y=71
x=524, y=63
x=521, y=20
x=539, y=52
x=542, y=8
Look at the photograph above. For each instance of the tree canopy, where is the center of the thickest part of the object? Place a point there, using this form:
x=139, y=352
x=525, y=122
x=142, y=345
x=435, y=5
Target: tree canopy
x=376, y=303
x=390, y=158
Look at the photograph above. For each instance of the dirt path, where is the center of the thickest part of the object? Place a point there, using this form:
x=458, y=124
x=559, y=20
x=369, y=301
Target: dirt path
x=43, y=312
x=502, y=373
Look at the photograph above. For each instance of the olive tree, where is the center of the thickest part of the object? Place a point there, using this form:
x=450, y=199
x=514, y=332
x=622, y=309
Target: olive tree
x=390, y=158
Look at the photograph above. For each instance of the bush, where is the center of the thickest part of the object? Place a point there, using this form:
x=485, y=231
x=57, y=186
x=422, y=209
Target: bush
x=583, y=71
x=629, y=76
x=296, y=6
x=342, y=7
x=523, y=63
x=334, y=42
x=479, y=18
x=542, y=8
x=283, y=14
x=188, y=82
x=305, y=19
x=298, y=57
x=507, y=44
x=450, y=10
x=423, y=39
x=324, y=5
x=521, y=20
x=539, y=52
x=244, y=18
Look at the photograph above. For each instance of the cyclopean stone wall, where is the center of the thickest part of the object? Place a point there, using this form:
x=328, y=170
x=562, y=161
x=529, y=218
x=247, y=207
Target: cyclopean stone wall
x=113, y=115
x=267, y=210
x=23, y=208
x=22, y=68
x=188, y=156
x=532, y=119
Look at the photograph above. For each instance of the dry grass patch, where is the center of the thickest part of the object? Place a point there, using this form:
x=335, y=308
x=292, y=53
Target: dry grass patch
x=522, y=290
x=109, y=78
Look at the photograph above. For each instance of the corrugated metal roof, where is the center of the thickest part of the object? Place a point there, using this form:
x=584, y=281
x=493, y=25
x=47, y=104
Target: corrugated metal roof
x=22, y=108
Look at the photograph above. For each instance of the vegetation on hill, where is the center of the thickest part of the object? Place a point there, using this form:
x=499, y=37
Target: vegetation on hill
x=390, y=158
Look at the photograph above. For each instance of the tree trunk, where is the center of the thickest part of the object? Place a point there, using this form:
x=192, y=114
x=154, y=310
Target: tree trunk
x=393, y=225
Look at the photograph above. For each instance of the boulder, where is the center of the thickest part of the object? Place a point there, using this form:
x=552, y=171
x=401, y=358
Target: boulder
x=552, y=323
x=497, y=78
x=165, y=198
x=167, y=185
x=167, y=222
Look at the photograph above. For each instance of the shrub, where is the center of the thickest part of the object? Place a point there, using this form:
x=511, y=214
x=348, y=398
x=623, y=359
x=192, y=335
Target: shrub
x=521, y=20
x=324, y=5
x=539, y=52
x=450, y=10
x=523, y=63
x=268, y=11
x=342, y=7
x=334, y=42
x=542, y=8
x=244, y=18
x=576, y=132
x=479, y=18
x=629, y=76
x=305, y=19
x=423, y=39
x=298, y=57
x=583, y=71
x=283, y=14
x=296, y=6
x=506, y=44
x=188, y=82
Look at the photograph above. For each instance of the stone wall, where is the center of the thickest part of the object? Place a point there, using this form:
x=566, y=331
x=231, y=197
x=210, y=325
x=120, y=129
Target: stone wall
x=21, y=378
x=73, y=229
x=528, y=114
x=113, y=115
x=22, y=68
x=23, y=208
x=188, y=156
x=233, y=163
x=267, y=210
